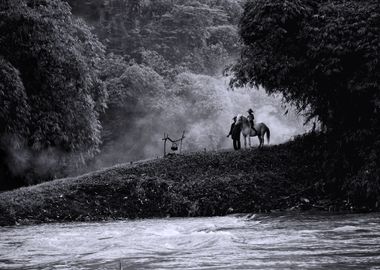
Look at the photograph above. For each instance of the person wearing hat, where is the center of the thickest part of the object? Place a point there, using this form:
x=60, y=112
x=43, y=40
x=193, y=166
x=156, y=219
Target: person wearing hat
x=232, y=126
x=251, y=118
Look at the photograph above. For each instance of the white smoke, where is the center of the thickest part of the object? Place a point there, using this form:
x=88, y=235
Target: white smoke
x=209, y=132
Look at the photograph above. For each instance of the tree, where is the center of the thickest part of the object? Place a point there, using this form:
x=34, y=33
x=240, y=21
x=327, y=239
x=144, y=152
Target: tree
x=14, y=107
x=14, y=117
x=184, y=33
x=50, y=62
x=321, y=55
x=135, y=91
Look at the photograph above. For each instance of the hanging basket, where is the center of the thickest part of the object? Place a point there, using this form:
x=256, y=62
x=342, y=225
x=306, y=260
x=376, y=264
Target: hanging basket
x=174, y=147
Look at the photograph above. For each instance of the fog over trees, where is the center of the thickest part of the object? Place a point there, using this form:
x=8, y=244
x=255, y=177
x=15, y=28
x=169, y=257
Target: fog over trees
x=90, y=84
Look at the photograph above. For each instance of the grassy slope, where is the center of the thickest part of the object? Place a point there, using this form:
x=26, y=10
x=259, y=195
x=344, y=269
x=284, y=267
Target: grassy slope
x=199, y=184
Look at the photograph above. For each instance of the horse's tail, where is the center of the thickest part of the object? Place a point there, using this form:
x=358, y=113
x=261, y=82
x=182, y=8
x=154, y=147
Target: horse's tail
x=268, y=134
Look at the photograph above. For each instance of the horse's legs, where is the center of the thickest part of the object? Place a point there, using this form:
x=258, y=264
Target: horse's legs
x=249, y=141
x=260, y=141
x=245, y=141
x=258, y=137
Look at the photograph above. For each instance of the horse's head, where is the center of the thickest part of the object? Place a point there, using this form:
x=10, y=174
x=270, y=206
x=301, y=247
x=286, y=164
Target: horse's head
x=239, y=118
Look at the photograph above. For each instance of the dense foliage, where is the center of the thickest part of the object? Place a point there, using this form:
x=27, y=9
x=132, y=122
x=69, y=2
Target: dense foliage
x=323, y=56
x=196, y=35
x=51, y=96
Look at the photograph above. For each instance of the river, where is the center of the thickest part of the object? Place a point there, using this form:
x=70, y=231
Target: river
x=275, y=241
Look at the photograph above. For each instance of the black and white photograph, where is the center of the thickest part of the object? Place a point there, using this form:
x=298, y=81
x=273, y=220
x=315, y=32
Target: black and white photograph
x=189, y=134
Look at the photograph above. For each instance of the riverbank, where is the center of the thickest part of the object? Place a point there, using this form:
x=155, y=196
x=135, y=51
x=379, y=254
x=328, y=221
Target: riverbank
x=274, y=178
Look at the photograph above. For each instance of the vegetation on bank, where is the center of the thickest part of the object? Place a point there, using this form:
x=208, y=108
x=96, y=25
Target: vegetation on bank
x=323, y=57
x=279, y=177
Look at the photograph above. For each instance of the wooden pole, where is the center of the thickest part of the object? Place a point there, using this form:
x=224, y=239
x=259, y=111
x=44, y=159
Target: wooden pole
x=180, y=147
x=164, y=139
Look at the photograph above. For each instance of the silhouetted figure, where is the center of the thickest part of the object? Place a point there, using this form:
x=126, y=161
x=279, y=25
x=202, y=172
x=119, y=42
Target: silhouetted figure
x=232, y=126
x=235, y=135
x=251, y=119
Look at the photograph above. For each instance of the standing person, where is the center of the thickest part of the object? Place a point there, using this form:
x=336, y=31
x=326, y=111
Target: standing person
x=251, y=119
x=232, y=126
x=235, y=135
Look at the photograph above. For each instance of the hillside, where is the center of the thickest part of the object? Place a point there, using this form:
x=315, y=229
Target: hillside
x=198, y=184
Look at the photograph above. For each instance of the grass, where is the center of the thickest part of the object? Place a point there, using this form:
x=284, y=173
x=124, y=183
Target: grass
x=198, y=184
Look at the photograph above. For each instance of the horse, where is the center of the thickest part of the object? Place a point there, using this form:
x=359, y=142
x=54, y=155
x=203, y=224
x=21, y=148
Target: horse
x=246, y=130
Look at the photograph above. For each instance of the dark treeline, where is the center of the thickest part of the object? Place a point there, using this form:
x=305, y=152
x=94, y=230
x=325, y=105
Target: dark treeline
x=323, y=56
x=51, y=94
x=70, y=93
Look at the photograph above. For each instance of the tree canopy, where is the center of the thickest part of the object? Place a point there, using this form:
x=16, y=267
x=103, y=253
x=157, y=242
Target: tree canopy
x=49, y=88
x=322, y=56
x=193, y=35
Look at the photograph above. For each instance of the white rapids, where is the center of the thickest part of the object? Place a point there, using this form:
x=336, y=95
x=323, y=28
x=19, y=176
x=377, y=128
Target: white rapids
x=290, y=241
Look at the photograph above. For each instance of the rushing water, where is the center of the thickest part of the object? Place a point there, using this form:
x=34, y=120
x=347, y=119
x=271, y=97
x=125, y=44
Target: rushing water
x=294, y=241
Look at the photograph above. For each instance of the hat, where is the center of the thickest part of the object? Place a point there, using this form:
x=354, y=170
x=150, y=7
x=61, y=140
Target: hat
x=250, y=111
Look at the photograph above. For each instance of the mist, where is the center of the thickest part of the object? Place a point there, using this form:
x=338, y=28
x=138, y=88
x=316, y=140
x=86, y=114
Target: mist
x=202, y=106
